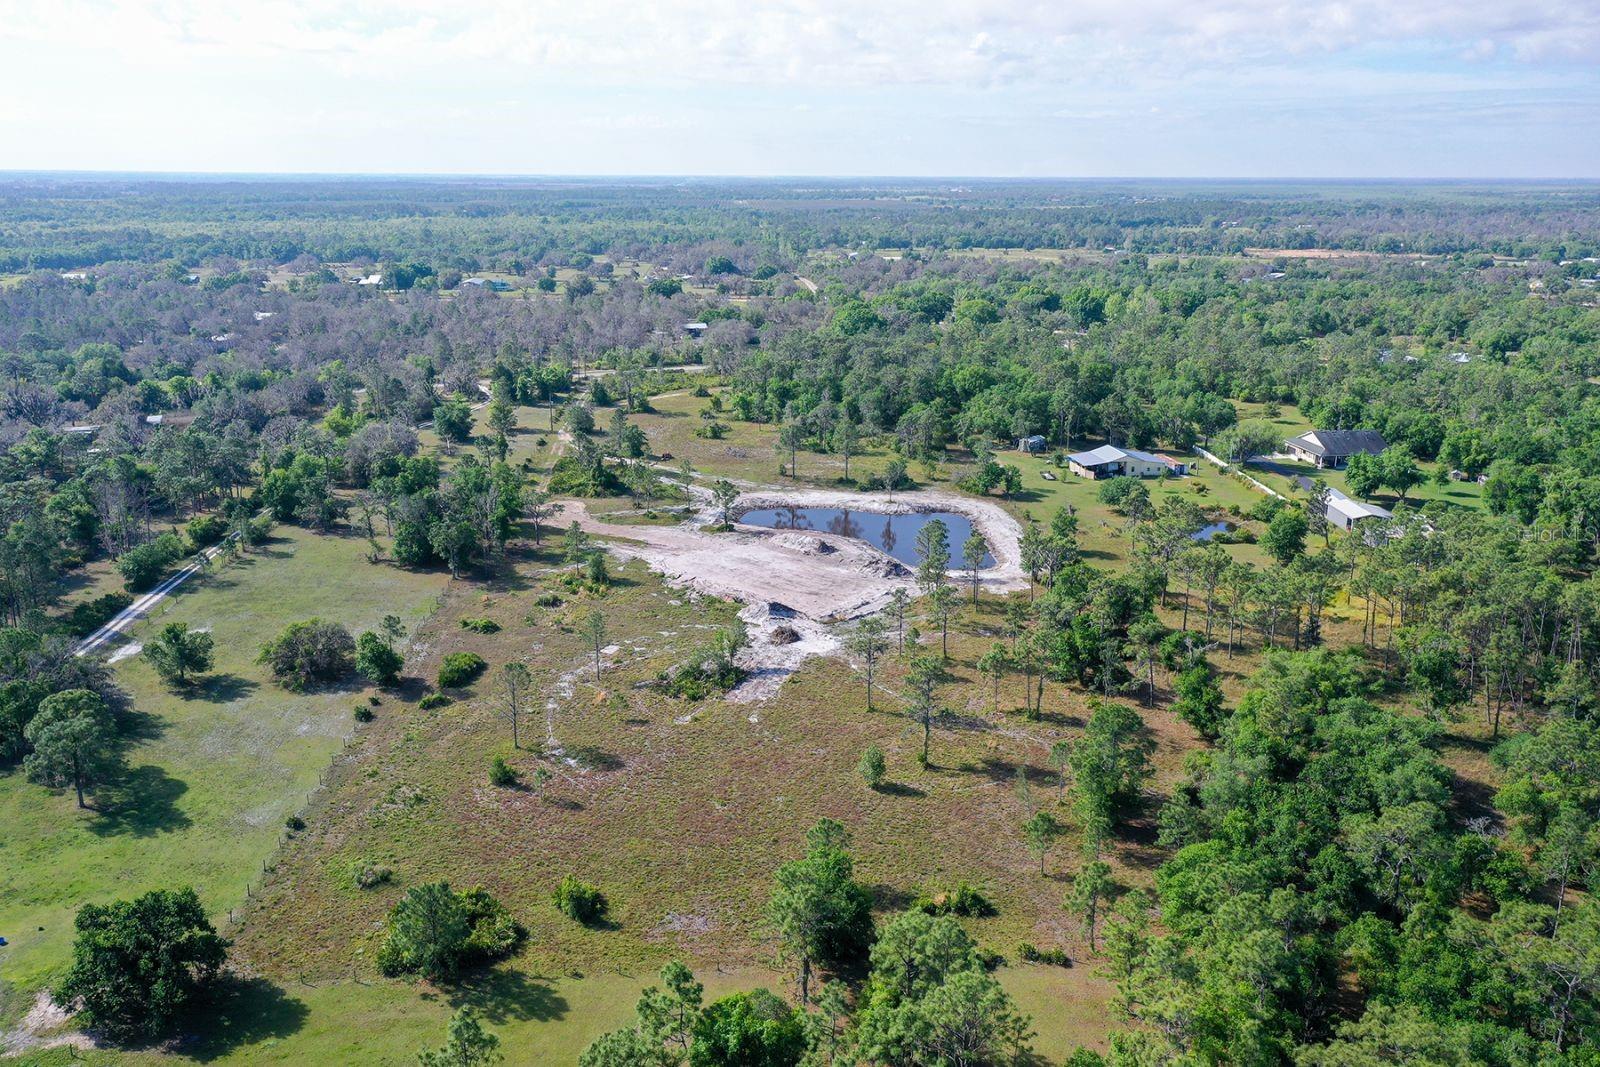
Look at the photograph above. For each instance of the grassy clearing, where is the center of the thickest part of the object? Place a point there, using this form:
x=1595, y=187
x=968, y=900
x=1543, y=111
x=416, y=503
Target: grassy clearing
x=539, y=1018
x=679, y=811
x=212, y=773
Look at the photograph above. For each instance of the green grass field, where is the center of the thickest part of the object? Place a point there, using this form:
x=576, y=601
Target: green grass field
x=213, y=773
x=679, y=811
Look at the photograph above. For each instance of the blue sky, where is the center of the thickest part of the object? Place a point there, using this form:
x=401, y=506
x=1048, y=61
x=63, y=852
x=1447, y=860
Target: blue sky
x=1293, y=88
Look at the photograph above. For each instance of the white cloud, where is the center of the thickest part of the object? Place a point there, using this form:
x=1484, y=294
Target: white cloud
x=805, y=86
x=784, y=42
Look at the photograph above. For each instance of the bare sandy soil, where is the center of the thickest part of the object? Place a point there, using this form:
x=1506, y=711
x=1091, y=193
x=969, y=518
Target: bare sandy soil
x=42, y=1028
x=806, y=580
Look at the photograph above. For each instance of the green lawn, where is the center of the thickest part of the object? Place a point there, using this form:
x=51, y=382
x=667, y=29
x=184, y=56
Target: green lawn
x=540, y=1018
x=1455, y=494
x=212, y=774
x=1291, y=423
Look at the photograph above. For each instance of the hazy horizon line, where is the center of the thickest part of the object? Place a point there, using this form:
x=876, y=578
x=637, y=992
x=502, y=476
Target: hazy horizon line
x=113, y=173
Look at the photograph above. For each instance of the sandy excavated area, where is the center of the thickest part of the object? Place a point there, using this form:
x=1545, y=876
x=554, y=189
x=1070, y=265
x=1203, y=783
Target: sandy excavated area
x=804, y=579
x=42, y=1028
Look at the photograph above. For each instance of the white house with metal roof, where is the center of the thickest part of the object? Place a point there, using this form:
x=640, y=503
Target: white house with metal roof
x=1109, y=461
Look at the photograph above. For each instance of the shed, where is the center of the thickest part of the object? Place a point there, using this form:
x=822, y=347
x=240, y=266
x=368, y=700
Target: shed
x=1346, y=514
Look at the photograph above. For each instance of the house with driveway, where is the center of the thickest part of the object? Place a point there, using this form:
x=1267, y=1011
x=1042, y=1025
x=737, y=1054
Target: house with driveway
x=1332, y=449
x=1109, y=461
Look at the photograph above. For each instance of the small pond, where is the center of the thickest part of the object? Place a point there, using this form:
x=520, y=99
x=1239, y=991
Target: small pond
x=1206, y=533
x=894, y=534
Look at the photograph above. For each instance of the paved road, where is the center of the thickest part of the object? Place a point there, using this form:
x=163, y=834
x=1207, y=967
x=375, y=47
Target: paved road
x=141, y=607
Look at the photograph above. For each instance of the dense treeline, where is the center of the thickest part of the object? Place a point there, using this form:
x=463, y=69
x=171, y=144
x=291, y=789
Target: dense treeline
x=59, y=222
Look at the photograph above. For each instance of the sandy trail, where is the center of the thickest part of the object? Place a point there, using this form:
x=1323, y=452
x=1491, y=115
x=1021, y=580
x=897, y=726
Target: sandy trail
x=807, y=580
x=43, y=1028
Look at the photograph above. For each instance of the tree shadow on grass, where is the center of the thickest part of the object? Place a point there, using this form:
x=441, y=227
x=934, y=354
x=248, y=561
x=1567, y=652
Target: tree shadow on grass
x=593, y=758
x=890, y=897
x=504, y=996
x=246, y=1011
x=1056, y=718
x=898, y=789
x=140, y=801
x=138, y=727
x=220, y=688
x=994, y=768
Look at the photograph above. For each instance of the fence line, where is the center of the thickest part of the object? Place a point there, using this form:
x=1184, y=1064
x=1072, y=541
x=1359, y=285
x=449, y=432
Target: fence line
x=1238, y=472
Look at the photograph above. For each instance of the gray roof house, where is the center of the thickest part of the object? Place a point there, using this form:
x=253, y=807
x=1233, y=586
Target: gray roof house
x=1333, y=448
x=1032, y=443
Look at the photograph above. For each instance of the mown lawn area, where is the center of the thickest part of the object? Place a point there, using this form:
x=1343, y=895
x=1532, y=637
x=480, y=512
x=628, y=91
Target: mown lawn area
x=540, y=1018
x=211, y=773
x=679, y=811
x=1282, y=474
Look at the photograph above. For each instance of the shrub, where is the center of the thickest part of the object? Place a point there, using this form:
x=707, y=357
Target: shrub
x=84, y=619
x=895, y=475
x=548, y=600
x=696, y=681
x=363, y=713
x=257, y=530
x=1265, y=510
x=377, y=661
x=434, y=932
x=206, y=530
x=964, y=900
x=364, y=875
x=501, y=774
x=309, y=652
x=755, y=1028
x=459, y=669
x=872, y=766
x=1125, y=495
x=1034, y=954
x=294, y=823
x=481, y=626
x=433, y=701
x=579, y=901
x=142, y=565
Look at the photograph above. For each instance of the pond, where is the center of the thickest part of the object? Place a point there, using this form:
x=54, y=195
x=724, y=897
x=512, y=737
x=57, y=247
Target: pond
x=1206, y=533
x=894, y=534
